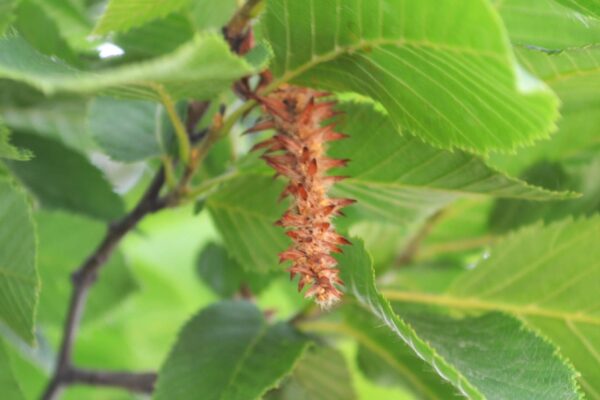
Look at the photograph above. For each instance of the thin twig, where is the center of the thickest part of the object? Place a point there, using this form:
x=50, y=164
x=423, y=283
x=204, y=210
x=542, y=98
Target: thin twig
x=87, y=273
x=134, y=382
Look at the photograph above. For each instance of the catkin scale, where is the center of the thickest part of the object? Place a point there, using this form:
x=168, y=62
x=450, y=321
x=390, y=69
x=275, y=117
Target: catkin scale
x=297, y=152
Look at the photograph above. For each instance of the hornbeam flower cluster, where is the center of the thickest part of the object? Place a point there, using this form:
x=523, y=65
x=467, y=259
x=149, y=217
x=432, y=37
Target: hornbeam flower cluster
x=297, y=152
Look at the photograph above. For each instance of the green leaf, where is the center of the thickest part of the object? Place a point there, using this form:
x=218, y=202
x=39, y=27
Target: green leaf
x=66, y=241
x=7, y=150
x=527, y=22
x=129, y=130
x=547, y=276
x=7, y=8
x=228, y=352
x=199, y=69
x=322, y=374
x=61, y=178
x=212, y=15
x=400, y=178
x=244, y=211
x=469, y=342
x=452, y=358
x=9, y=386
x=156, y=37
x=386, y=361
x=452, y=80
x=121, y=15
x=19, y=281
x=586, y=7
x=509, y=214
x=357, y=273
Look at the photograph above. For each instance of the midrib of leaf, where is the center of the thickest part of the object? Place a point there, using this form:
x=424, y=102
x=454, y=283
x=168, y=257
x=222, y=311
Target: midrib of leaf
x=363, y=44
x=242, y=360
x=450, y=301
x=341, y=328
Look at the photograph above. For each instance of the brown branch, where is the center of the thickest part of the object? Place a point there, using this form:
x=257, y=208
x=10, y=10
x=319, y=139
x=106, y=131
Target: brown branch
x=134, y=382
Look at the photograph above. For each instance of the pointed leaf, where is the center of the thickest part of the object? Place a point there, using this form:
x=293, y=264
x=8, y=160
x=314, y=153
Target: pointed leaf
x=548, y=276
x=399, y=178
x=7, y=150
x=85, y=191
x=451, y=80
x=199, y=69
x=445, y=355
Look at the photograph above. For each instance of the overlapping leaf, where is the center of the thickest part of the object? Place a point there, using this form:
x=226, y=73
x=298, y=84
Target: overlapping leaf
x=19, y=281
x=129, y=130
x=229, y=352
x=7, y=150
x=442, y=69
x=453, y=357
x=548, y=276
x=62, y=178
x=199, y=69
x=401, y=179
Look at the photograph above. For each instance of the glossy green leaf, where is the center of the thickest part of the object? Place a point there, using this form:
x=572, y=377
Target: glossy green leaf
x=199, y=69
x=66, y=240
x=548, y=276
x=586, y=7
x=244, y=211
x=9, y=386
x=129, y=130
x=528, y=22
x=451, y=80
x=121, y=15
x=19, y=281
x=61, y=178
x=454, y=361
x=509, y=214
x=453, y=347
x=399, y=178
x=228, y=352
x=321, y=374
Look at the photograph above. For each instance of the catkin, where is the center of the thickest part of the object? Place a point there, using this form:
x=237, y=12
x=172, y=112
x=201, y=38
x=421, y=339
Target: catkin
x=298, y=152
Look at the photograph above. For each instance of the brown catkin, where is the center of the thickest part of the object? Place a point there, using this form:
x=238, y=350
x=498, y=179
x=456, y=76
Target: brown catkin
x=298, y=152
